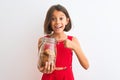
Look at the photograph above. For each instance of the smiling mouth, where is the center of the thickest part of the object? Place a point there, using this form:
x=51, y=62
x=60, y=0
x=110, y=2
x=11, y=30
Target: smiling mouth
x=58, y=27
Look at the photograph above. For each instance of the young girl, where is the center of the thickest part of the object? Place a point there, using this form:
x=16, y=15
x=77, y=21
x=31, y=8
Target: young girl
x=58, y=21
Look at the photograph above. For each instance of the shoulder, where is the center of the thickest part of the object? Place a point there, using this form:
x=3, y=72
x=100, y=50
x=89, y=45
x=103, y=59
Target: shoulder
x=72, y=38
x=75, y=40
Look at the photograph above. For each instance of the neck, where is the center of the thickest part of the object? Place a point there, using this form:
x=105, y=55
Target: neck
x=59, y=37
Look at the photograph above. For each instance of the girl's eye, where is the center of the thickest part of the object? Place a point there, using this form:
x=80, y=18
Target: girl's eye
x=61, y=18
x=53, y=19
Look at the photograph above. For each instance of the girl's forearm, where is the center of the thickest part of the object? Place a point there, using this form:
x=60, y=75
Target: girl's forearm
x=81, y=57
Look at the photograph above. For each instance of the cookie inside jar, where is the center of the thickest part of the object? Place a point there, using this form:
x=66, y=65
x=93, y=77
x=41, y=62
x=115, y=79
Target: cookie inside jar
x=47, y=56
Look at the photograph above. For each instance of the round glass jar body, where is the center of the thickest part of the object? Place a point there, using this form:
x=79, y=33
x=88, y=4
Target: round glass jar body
x=47, y=51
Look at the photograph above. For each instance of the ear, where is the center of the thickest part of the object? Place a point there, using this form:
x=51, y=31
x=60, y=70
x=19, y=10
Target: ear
x=67, y=21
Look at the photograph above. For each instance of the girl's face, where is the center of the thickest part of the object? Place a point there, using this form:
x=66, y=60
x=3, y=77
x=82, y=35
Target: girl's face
x=59, y=21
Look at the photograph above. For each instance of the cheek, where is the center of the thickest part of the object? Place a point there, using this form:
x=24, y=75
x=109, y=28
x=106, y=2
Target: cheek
x=52, y=23
x=66, y=23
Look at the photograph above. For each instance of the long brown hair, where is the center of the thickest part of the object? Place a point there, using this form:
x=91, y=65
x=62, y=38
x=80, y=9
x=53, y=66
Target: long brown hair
x=47, y=25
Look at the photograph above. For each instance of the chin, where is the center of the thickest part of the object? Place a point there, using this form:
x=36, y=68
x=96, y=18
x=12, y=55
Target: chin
x=58, y=32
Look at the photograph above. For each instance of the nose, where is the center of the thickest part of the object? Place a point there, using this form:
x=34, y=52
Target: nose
x=57, y=21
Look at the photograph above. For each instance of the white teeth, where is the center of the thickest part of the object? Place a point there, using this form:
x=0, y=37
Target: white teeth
x=57, y=26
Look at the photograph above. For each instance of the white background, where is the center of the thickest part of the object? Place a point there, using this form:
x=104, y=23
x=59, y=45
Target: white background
x=96, y=23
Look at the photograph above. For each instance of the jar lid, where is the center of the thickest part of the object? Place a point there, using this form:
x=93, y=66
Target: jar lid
x=49, y=39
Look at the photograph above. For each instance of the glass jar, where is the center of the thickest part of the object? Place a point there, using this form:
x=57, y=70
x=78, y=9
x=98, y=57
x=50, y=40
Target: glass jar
x=47, y=51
